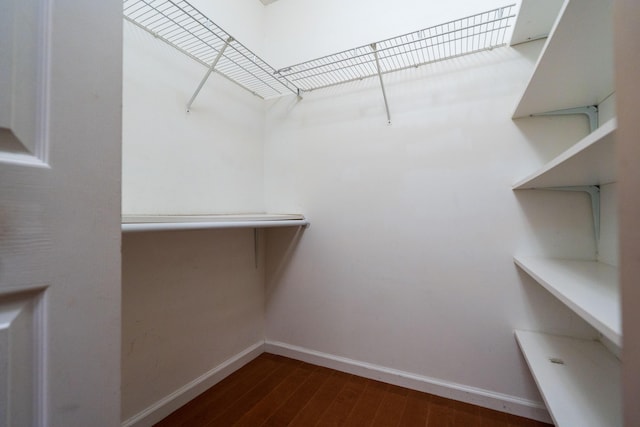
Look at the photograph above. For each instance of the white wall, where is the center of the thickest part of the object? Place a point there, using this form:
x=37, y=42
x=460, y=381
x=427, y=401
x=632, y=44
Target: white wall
x=243, y=19
x=207, y=161
x=408, y=261
x=190, y=301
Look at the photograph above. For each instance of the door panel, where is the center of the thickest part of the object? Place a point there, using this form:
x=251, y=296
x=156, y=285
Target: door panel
x=23, y=78
x=24, y=243
x=60, y=149
x=20, y=359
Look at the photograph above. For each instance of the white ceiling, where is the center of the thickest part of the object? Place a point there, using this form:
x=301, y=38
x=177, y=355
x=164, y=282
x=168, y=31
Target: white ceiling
x=266, y=2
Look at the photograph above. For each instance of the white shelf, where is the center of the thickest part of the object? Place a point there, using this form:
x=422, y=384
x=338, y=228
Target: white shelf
x=583, y=391
x=131, y=223
x=576, y=66
x=589, y=162
x=535, y=20
x=589, y=288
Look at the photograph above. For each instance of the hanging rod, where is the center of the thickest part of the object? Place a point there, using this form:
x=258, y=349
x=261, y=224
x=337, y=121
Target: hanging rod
x=463, y=36
x=184, y=27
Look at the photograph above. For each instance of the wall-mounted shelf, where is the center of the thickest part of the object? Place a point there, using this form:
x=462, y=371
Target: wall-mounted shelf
x=535, y=20
x=452, y=39
x=589, y=288
x=589, y=162
x=576, y=66
x=184, y=27
x=578, y=379
x=132, y=223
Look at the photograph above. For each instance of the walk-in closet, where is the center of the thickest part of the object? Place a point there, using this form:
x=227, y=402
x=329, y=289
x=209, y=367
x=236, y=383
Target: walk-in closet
x=415, y=192
x=420, y=201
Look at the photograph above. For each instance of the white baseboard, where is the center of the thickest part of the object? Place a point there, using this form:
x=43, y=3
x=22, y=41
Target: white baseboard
x=184, y=394
x=476, y=396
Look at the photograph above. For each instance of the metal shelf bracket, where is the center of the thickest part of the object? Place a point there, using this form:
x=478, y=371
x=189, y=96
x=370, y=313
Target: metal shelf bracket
x=208, y=73
x=591, y=111
x=384, y=92
x=594, y=194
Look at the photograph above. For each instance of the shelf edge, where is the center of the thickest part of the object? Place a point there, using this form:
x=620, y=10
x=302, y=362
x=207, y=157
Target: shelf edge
x=168, y=226
x=600, y=325
x=564, y=28
x=563, y=367
x=604, y=131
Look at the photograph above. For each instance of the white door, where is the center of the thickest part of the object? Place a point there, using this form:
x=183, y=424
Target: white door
x=60, y=95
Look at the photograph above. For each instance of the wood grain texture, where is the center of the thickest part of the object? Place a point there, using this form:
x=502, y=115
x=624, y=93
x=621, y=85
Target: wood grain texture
x=276, y=391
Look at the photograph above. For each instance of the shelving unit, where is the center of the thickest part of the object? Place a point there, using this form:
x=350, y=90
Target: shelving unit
x=575, y=68
x=578, y=379
x=589, y=162
x=589, y=288
x=135, y=223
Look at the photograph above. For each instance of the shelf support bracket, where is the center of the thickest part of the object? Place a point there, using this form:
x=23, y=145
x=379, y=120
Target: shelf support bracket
x=208, y=73
x=594, y=194
x=384, y=93
x=591, y=111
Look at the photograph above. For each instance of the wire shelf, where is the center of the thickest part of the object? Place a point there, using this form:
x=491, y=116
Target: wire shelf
x=463, y=36
x=184, y=27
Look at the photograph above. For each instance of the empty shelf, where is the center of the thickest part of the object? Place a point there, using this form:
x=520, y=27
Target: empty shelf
x=578, y=379
x=589, y=288
x=589, y=162
x=132, y=223
x=535, y=20
x=460, y=37
x=576, y=66
x=184, y=27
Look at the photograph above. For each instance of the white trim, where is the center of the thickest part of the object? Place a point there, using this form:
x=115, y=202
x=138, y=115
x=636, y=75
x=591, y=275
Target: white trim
x=189, y=391
x=476, y=396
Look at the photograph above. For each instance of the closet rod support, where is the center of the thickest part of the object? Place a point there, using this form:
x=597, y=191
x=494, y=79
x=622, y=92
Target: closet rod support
x=209, y=71
x=384, y=92
x=591, y=111
x=594, y=194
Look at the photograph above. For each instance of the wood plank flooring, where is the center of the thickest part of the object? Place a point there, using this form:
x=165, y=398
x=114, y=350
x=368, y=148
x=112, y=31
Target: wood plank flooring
x=276, y=391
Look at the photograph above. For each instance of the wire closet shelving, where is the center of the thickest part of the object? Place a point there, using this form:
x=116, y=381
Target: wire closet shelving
x=184, y=27
x=463, y=36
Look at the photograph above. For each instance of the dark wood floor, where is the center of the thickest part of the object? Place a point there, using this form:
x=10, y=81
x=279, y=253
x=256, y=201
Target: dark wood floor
x=277, y=391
